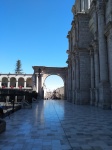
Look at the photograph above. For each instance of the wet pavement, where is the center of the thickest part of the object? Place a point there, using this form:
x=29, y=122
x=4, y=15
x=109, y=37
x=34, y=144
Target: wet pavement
x=58, y=125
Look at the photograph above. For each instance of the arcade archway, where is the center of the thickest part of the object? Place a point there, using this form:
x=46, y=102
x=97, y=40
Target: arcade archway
x=42, y=72
x=53, y=87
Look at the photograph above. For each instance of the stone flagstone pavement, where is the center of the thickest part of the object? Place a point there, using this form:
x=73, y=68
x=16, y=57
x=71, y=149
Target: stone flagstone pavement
x=58, y=125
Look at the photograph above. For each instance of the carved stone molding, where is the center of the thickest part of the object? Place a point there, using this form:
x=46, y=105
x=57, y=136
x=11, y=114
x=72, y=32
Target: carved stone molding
x=95, y=46
x=108, y=28
x=91, y=50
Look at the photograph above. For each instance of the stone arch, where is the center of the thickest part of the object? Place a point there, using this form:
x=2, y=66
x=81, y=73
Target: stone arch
x=21, y=82
x=42, y=72
x=13, y=82
x=58, y=91
x=5, y=81
x=29, y=82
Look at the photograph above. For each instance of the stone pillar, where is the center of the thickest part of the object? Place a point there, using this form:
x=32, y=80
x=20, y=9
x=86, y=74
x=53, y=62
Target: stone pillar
x=0, y=84
x=25, y=84
x=89, y=4
x=16, y=83
x=92, y=94
x=73, y=82
x=109, y=37
x=102, y=44
x=65, y=87
x=70, y=82
x=104, y=87
x=35, y=83
x=8, y=83
x=77, y=80
x=82, y=5
x=40, y=86
x=96, y=66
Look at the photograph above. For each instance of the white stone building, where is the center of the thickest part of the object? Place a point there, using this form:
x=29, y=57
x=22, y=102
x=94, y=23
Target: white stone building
x=90, y=53
x=16, y=81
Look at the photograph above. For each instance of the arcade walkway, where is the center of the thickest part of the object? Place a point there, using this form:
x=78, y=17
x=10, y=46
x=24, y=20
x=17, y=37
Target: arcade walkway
x=58, y=125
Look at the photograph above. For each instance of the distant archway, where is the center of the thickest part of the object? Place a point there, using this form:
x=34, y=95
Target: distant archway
x=42, y=72
x=53, y=87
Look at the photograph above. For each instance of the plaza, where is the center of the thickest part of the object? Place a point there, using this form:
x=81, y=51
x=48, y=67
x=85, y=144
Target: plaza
x=58, y=125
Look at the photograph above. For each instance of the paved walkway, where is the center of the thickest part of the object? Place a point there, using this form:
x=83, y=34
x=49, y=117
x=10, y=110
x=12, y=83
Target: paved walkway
x=58, y=125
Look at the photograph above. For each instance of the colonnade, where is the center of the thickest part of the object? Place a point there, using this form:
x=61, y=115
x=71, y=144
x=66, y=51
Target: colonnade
x=16, y=81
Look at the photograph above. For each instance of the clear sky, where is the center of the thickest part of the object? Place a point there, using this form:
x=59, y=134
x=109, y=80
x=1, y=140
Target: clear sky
x=34, y=31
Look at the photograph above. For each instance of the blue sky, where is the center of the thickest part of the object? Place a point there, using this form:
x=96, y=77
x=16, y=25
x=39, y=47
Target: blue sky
x=34, y=31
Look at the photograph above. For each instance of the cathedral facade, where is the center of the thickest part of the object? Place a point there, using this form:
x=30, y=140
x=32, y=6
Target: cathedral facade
x=90, y=54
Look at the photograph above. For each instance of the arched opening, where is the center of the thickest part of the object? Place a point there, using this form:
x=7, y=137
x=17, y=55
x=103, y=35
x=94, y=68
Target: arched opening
x=29, y=82
x=21, y=82
x=4, y=82
x=13, y=82
x=53, y=87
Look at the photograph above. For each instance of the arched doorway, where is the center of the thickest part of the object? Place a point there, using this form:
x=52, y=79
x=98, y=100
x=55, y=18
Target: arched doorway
x=53, y=87
x=12, y=82
x=21, y=82
x=29, y=82
x=42, y=72
x=5, y=81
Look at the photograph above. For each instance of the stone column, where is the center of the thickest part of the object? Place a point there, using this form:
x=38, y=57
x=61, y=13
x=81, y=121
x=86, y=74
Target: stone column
x=73, y=81
x=96, y=65
x=25, y=84
x=77, y=79
x=104, y=87
x=70, y=82
x=92, y=102
x=0, y=83
x=102, y=44
x=82, y=5
x=16, y=83
x=40, y=88
x=8, y=83
x=108, y=33
x=35, y=82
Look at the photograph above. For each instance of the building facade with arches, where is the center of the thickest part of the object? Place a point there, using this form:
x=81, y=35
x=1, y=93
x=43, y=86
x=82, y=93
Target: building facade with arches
x=16, y=81
x=90, y=53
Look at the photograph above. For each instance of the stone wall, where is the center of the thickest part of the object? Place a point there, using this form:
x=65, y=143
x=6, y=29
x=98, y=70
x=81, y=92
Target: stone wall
x=90, y=54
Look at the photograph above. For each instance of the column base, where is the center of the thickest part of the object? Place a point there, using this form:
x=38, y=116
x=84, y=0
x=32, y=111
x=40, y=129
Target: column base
x=92, y=97
x=104, y=95
x=96, y=97
x=77, y=96
x=70, y=96
x=82, y=97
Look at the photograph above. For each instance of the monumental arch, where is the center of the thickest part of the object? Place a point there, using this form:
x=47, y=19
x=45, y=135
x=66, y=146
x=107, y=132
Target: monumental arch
x=42, y=72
